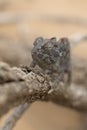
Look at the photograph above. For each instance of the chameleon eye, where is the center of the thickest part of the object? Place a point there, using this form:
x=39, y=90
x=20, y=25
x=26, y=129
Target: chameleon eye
x=53, y=39
x=38, y=40
x=64, y=41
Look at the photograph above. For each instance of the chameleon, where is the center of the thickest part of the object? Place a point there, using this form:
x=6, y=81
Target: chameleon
x=53, y=57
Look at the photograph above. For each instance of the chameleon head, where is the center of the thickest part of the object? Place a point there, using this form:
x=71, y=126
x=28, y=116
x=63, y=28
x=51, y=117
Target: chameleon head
x=50, y=53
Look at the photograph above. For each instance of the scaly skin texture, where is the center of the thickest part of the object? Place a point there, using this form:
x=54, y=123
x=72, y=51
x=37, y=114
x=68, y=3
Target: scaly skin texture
x=53, y=57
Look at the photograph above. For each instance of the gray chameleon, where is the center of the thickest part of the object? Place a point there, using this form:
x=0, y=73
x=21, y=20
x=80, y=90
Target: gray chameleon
x=53, y=57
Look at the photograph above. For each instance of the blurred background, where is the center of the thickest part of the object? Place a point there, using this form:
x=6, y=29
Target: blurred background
x=21, y=21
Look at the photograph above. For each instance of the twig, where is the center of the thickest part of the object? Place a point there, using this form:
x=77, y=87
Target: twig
x=79, y=71
x=12, y=18
x=77, y=38
x=65, y=20
x=14, y=117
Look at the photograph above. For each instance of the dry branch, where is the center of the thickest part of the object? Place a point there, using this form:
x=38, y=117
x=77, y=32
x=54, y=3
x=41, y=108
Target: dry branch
x=77, y=38
x=17, y=87
x=65, y=20
x=14, y=117
x=79, y=71
x=13, y=18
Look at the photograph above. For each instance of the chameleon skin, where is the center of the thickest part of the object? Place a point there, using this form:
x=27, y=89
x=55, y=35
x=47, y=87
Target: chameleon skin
x=53, y=57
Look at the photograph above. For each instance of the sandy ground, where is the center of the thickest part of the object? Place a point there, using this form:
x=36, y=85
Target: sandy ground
x=47, y=116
